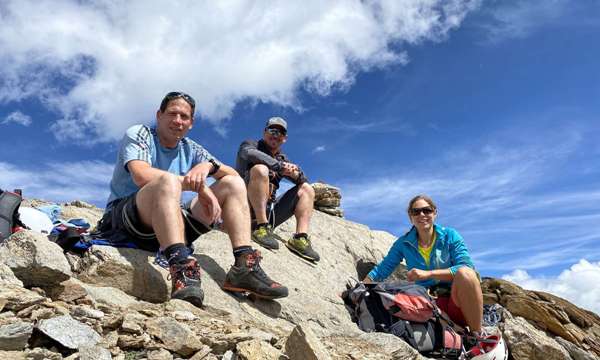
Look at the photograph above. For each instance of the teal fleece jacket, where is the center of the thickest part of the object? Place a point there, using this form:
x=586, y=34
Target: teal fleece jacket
x=449, y=252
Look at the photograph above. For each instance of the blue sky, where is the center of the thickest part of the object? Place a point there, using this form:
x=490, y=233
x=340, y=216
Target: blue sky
x=491, y=107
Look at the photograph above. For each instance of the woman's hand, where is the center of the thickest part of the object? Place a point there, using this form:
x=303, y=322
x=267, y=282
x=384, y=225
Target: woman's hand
x=418, y=275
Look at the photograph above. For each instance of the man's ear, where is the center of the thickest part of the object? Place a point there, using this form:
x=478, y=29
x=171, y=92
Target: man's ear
x=284, y=140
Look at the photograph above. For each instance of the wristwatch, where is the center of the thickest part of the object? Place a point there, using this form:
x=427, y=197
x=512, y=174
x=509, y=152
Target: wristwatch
x=215, y=168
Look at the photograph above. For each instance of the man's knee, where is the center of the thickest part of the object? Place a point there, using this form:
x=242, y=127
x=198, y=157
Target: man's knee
x=306, y=190
x=233, y=184
x=259, y=172
x=166, y=184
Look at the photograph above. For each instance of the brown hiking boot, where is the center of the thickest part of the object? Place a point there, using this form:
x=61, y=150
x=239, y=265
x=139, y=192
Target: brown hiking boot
x=248, y=276
x=185, y=282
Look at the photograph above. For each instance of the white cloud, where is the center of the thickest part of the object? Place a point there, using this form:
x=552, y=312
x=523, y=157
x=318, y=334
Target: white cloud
x=84, y=180
x=318, y=149
x=104, y=65
x=17, y=117
x=518, y=19
x=576, y=284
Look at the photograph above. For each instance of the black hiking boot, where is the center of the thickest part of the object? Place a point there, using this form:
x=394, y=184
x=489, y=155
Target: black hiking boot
x=249, y=277
x=300, y=245
x=185, y=282
x=265, y=237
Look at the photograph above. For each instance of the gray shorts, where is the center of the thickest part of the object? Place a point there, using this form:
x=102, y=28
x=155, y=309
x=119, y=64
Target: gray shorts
x=122, y=224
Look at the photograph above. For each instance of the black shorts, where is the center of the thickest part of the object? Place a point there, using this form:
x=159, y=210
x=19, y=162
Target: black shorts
x=282, y=209
x=122, y=224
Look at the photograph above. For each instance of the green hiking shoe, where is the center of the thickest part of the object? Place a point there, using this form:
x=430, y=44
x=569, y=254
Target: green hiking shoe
x=265, y=236
x=248, y=276
x=301, y=246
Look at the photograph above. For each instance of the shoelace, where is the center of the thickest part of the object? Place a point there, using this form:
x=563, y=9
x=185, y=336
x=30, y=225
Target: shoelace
x=186, y=270
x=253, y=262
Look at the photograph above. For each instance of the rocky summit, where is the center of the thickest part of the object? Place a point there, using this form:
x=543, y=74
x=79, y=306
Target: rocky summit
x=113, y=303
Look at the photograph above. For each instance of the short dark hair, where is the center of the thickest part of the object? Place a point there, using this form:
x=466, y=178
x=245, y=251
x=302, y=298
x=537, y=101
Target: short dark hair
x=177, y=95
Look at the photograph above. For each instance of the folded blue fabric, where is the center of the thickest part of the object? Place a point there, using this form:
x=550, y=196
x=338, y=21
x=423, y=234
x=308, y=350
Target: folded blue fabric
x=53, y=211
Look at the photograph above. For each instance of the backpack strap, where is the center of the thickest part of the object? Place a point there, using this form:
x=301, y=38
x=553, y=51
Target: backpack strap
x=9, y=204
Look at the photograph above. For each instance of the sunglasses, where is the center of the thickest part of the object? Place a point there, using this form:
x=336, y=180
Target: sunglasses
x=176, y=95
x=424, y=210
x=276, y=131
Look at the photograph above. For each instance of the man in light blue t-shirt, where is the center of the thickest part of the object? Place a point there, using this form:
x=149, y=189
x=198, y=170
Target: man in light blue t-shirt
x=154, y=165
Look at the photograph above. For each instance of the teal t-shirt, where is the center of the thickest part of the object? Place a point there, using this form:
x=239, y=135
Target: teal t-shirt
x=141, y=143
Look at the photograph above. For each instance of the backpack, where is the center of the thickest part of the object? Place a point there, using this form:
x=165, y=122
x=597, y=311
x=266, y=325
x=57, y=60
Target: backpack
x=9, y=213
x=407, y=311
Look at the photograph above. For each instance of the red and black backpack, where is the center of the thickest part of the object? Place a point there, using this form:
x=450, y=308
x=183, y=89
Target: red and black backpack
x=407, y=311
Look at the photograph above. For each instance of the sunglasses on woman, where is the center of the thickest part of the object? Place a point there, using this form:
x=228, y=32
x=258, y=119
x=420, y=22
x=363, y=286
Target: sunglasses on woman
x=424, y=210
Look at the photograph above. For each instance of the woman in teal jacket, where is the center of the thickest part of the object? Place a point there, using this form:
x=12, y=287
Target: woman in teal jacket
x=436, y=257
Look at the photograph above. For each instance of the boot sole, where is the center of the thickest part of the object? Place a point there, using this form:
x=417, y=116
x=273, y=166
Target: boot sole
x=295, y=251
x=262, y=296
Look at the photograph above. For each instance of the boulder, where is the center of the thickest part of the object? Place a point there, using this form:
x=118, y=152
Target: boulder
x=176, y=337
x=34, y=259
x=15, y=336
x=302, y=344
x=129, y=270
x=8, y=277
x=69, y=332
x=314, y=288
x=94, y=353
x=16, y=298
x=327, y=199
x=526, y=342
x=257, y=350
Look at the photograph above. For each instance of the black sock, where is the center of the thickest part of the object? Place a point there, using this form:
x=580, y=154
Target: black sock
x=240, y=250
x=176, y=253
x=262, y=225
x=299, y=235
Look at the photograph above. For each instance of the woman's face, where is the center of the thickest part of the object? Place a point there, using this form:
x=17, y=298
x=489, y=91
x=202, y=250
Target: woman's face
x=422, y=215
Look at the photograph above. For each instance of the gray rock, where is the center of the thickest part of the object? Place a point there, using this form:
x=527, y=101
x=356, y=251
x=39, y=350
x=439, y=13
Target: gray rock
x=160, y=354
x=202, y=354
x=42, y=354
x=34, y=259
x=15, y=336
x=94, y=353
x=526, y=342
x=129, y=270
x=229, y=355
x=69, y=332
x=16, y=298
x=12, y=355
x=257, y=350
x=109, y=296
x=86, y=312
x=176, y=337
x=341, y=243
x=8, y=277
x=302, y=344
x=575, y=352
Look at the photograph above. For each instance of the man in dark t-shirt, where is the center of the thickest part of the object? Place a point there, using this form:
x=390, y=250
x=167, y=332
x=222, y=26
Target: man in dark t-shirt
x=262, y=165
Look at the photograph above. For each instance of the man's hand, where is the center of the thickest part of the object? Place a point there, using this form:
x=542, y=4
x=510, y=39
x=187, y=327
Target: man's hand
x=195, y=179
x=290, y=170
x=211, y=210
x=418, y=275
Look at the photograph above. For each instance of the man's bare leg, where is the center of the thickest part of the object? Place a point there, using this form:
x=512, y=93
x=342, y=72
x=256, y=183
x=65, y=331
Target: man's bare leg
x=304, y=208
x=158, y=208
x=231, y=193
x=158, y=204
x=258, y=191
